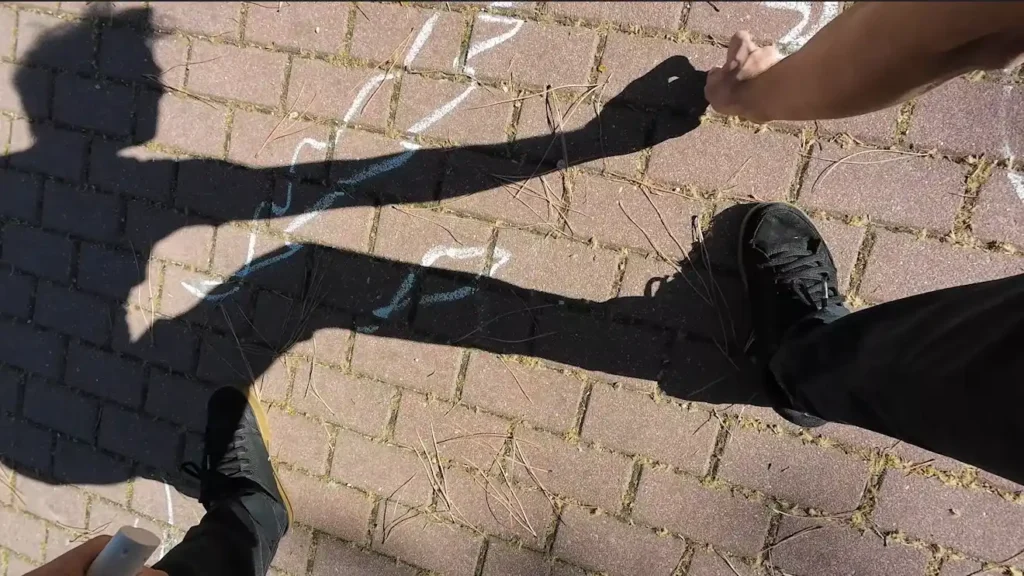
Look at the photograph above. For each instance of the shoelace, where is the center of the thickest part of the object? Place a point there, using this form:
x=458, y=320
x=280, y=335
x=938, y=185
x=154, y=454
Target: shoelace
x=212, y=481
x=809, y=272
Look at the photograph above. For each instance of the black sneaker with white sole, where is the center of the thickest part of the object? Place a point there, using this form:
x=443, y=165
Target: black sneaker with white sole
x=789, y=276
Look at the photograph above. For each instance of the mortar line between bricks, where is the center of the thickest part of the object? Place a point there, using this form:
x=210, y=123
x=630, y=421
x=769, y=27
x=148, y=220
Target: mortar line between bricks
x=396, y=92
x=802, y=164
x=904, y=120
x=686, y=558
x=391, y=422
x=481, y=555
x=962, y=228
x=684, y=16
x=770, y=535
x=350, y=29
x=286, y=85
x=934, y=565
x=332, y=444
x=314, y=544
x=595, y=66
x=620, y=275
x=322, y=536
x=575, y=432
x=187, y=73
x=12, y=48
x=715, y=458
x=629, y=494
x=860, y=265
x=229, y=125
x=465, y=39
x=242, y=20
x=872, y=487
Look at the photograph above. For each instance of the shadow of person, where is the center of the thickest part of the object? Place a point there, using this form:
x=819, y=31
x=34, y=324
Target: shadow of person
x=121, y=211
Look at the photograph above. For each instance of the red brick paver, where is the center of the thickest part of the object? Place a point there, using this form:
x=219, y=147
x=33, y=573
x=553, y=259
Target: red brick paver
x=465, y=374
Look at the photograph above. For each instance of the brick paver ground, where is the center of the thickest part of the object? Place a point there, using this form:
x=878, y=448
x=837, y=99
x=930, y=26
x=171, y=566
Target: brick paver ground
x=523, y=363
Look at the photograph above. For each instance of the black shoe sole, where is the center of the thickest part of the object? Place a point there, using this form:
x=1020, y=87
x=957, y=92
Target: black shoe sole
x=777, y=395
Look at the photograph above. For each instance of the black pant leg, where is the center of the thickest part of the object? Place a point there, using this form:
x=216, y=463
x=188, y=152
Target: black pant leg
x=942, y=370
x=226, y=542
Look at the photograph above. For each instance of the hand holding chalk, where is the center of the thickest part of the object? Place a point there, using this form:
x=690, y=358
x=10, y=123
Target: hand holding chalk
x=125, y=554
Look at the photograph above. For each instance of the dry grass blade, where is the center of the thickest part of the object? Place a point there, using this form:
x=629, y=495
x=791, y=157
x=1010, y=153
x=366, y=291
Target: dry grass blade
x=391, y=67
x=728, y=563
x=505, y=501
x=649, y=239
x=8, y=481
x=496, y=318
x=189, y=64
x=309, y=304
x=598, y=108
x=512, y=490
x=983, y=569
x=661, y=217
x=409, y=514
x=729, y=183
x=311, y=386
x=287, y=115
x=519, y=340
x=836, y=516
x=647, y=185
x=439, y=225
x=241, y=351
x=472, y=436
x=292, y=133
x=361, y=13
x=156, y=80
x=919, y=465
x=551, y=144
x=534, y=95
x=516, y=378
x=530, y=471
x=89, y=533
x=698, y=234
x=796, y=534
x=846, y=160
x=384, y=513
x=138, y=297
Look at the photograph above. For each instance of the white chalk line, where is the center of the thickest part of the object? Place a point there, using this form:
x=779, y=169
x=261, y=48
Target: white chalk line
x=401, y=298
x=421, y=39
x=797, y=36
x=202, y=288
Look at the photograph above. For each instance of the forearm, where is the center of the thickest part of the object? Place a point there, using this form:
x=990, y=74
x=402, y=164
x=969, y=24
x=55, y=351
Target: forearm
x=875, y=55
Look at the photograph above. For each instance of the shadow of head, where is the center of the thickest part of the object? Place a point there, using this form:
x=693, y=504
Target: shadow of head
x=79, y=98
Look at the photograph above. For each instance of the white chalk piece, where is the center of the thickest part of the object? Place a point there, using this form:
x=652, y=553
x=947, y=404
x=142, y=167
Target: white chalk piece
x=125, y=554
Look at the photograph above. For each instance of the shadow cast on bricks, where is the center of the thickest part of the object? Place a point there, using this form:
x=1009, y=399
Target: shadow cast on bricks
x=95, y=359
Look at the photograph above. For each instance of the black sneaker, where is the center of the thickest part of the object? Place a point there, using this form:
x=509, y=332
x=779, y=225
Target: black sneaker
x=789, y=275
x=236, y=468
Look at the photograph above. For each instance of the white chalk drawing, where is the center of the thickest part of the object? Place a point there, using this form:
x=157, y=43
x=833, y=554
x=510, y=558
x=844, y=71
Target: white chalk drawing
x=801, y=33
x=401, y=298
x=342, y=189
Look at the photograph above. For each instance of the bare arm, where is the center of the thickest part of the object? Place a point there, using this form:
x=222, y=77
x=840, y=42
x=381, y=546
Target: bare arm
x=872, y=56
